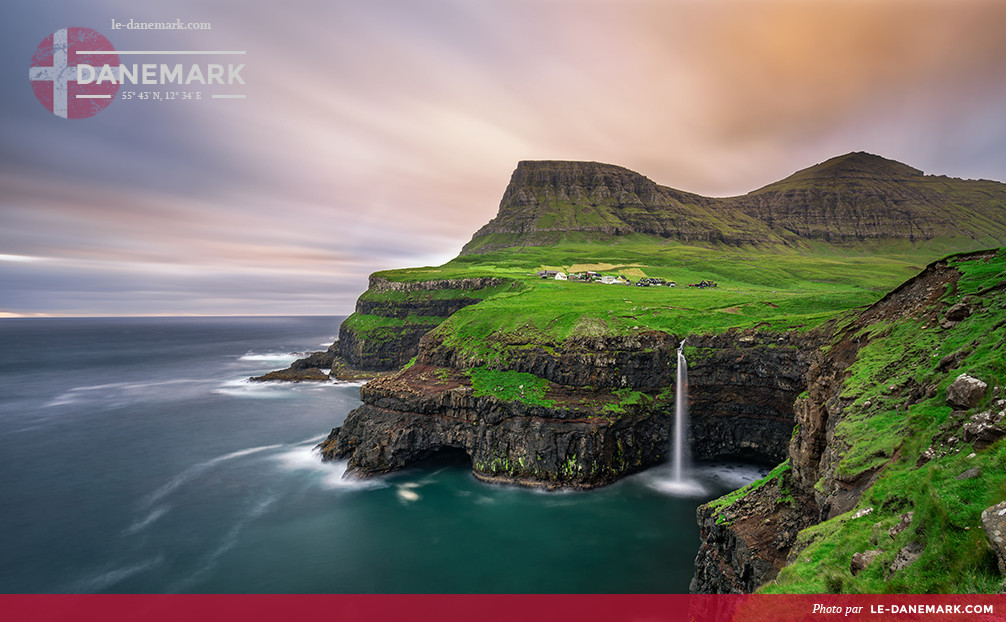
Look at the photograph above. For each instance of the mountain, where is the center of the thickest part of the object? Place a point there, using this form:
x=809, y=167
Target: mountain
x=843, y=202
x=826, y=349
x=547, y=202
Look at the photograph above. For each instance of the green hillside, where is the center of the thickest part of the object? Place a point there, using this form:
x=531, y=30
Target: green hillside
x=790, y=255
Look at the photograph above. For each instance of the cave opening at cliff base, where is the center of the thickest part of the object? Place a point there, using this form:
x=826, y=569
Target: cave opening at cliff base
x=445, y=456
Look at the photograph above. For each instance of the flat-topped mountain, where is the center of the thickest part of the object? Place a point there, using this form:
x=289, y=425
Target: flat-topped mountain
x=548, y=202
x=845, y=201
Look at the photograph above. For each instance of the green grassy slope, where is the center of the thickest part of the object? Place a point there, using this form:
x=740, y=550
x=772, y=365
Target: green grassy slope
x=755, y=289
x=874, y=434
x=791, y=255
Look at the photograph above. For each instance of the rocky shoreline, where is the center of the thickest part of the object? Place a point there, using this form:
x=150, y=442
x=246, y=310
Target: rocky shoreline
x=744, y=385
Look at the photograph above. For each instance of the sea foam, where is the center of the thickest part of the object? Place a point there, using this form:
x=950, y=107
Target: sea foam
x=332, y=474
x=198, y=469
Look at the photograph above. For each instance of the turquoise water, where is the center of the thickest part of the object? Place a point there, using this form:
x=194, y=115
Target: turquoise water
x=137, y=458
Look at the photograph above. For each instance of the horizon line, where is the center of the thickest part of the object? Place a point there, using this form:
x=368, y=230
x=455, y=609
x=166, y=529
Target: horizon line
x=14, y=316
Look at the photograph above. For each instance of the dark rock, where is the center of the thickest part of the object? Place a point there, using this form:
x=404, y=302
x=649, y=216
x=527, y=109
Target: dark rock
x=747, y=543
x=984, y=429
x=317, y=360
x=741, y=397
x=418, y=413
x=390, y=347
x=904, y=521
x=861, y=560
x=307, y=369
x=966, y=392
x=926, y=456
x=958, y=312
x=948, y=362
x=907, y=556
x=970, y=473
x=311, y=374
x=994, y=523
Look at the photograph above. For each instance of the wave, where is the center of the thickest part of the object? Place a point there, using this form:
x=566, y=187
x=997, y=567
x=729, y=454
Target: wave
x=661, y=479
x=197, y=470
x=109, y=578
x=679, y=488
x=148, y=520
x=243, y=387
x=229, y=541
x=314, y=440
x=114, y=391
x=332, y=474
x=273, y=357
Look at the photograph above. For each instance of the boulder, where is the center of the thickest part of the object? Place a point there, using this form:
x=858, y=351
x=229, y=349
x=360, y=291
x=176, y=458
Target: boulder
x=903, y=523
x=862, y=513
x=906, y=557
x=994, y=522
x=958, y=312
x=861, y=560
x=927, y=455
x=966, y=392
x=970, y=473
x=984, y=429
x=315, y=360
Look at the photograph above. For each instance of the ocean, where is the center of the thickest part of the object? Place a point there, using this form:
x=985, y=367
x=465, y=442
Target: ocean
x=136, y=458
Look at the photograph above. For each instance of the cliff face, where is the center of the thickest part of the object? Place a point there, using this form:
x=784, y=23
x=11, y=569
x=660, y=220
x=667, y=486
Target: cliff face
x=815, y=451
x=391, y=317
x=548, y=199
x=742, y=387
x=425, y=411
x=844, y=201
x=605, y=412
x=861, y=197
x=850, y=435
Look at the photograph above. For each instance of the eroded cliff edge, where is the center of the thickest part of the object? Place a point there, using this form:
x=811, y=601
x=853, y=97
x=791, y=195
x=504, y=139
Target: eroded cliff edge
x=383, y=333
x=580, y=413
x=887, y=472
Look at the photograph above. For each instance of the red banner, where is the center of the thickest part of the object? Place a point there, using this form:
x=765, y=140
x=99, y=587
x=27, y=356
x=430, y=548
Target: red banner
x=497, y=608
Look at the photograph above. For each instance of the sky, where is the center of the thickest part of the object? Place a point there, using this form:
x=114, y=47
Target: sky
x=382, y=134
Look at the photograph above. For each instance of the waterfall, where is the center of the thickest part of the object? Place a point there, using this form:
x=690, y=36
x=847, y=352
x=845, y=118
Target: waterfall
x=679, y=449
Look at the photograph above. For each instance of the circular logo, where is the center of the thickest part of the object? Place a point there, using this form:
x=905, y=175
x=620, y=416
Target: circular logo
x=53, y=73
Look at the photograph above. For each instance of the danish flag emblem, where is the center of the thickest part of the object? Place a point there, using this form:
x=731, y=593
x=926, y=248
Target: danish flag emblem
x=53, y=73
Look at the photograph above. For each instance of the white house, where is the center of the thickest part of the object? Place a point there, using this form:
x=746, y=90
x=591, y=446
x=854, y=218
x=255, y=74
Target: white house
x=609, y=280
x=561, y=276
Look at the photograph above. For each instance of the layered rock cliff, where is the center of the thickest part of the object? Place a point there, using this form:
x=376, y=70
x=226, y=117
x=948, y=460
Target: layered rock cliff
x=392, y=316
x=571, y=440
x=846, y=201
x=861, y=197
x=547, y=200
x=604, y=411
x=742, y=386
